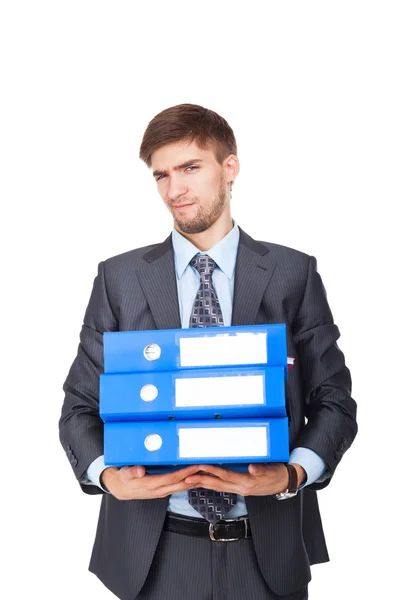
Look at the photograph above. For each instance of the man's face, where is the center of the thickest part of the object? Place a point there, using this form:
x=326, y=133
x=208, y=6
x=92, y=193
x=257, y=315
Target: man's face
x=192, y=184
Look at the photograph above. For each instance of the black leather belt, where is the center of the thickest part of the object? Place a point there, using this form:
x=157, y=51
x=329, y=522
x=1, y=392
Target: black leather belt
x=226, y=530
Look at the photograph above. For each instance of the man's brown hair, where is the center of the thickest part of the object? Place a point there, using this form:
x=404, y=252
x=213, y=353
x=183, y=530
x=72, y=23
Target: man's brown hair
x=191, y=123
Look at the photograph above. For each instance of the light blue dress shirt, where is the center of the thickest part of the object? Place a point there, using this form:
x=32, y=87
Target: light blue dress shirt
x=224, y=254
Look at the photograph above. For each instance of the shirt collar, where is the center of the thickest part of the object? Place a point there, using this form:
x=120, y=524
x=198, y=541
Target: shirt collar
x=224, y=252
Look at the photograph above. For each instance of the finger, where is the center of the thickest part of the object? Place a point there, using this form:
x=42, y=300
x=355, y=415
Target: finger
x=135, y=471
x=212, y=483
x=167, y=479
x=224, y=474
x=166, y=490
x=139, y=471
x=257, y=469
x=126, y=473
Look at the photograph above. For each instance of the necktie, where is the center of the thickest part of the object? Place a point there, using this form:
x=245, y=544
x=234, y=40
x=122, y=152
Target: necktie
x=206, y=312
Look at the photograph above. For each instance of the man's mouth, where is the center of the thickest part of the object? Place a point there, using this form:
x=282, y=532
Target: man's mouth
x=180, y=206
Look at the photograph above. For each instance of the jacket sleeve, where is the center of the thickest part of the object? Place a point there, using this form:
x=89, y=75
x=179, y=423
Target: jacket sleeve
x=80, y=425
x=329, y=408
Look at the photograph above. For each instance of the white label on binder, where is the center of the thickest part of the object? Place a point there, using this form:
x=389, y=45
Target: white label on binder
x=220, y=391
x=215, y=442
x=224, y=349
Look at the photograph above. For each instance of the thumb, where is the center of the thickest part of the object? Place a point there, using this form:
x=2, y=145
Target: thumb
x=139, y=471
x=132, y=472
x=255, y=469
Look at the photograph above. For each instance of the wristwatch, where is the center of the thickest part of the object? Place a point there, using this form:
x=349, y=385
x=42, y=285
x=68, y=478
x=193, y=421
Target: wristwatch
x=292, y=488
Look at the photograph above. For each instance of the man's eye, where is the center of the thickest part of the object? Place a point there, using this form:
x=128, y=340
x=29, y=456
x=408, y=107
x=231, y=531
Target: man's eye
x=160, y=177
x=192, y=167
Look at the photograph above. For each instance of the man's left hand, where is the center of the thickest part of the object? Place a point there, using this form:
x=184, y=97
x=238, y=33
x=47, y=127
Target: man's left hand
x=261, y=480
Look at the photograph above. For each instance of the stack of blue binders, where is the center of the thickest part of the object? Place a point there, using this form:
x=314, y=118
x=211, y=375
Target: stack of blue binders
x=175, y=397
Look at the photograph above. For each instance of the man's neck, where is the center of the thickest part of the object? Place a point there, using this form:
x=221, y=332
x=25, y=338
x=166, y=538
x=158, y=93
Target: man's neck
x=211, y=236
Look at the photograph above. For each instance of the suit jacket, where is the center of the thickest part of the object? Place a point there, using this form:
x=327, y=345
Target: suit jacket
x=273, y=284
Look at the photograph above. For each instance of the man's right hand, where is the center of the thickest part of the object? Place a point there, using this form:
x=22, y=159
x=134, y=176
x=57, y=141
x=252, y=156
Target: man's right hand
x=133, y=483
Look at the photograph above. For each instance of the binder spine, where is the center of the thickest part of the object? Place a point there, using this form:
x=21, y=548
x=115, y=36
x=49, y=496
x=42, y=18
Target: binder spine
x=190, y=394
x=174, y=349
x=204, y=442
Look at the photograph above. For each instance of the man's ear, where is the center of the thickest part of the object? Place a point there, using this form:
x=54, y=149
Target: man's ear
x=231, y=167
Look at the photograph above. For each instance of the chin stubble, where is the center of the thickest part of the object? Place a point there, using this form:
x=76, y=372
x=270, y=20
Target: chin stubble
x=204, y=220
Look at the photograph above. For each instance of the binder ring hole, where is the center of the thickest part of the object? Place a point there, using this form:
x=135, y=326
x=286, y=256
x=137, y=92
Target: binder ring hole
x=149, y=392
x=152, y=352
x=153, y=442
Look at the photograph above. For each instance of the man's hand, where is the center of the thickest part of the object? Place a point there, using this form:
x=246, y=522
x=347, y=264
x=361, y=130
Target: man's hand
x=132, y=483
x=262, y=479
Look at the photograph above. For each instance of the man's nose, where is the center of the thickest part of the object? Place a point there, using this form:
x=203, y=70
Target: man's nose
x=176, y=188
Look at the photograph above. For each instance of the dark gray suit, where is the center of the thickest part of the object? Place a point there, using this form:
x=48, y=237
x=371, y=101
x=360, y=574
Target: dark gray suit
x=273, y=284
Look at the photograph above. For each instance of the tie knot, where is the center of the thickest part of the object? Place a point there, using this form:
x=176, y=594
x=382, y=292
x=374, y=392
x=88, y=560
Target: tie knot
x=204, y=264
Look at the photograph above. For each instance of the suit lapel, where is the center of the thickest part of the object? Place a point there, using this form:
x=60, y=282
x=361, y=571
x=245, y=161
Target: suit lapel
x=158, y=281
x=254, y=268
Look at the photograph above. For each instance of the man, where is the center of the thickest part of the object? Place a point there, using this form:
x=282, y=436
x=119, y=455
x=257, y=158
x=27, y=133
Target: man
x=152, y=539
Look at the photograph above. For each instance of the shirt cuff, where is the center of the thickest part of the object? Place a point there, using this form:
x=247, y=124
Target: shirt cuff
x=313, y=464
x=94, y=471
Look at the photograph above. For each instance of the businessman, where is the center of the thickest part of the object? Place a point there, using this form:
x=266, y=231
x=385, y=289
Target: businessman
x=205, y=532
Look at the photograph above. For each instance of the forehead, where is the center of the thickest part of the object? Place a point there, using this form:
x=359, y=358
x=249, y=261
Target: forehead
x=172, y=155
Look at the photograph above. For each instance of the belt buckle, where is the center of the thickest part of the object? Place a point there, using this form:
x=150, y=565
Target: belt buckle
x=212, y=531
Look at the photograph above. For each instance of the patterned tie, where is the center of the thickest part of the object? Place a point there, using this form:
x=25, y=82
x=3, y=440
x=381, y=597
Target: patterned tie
x=206, y=312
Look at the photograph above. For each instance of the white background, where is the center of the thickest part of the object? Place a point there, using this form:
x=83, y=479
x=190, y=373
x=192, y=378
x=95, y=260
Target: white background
x=318, y=96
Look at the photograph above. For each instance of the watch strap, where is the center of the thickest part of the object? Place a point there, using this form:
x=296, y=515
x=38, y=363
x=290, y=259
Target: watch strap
x=293, y=478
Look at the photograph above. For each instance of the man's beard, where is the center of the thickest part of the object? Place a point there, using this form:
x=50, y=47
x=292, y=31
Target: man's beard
x=204, y=219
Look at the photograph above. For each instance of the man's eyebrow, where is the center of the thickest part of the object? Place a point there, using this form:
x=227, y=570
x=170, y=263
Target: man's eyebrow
x=187, y=163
